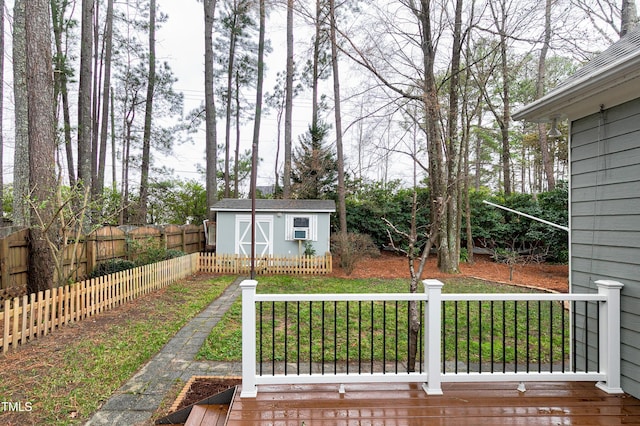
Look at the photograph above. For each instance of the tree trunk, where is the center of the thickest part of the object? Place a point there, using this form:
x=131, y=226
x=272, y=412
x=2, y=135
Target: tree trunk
x=236, y=164
x=95, y=107
x=342, y=205
x=41, y=142
x=437, y=172
x=148, y=113
x=288, y=112
x=316, y=69
x=84, y=94
x=547, y=159
x=113, y=142
x=21, y=154
x=108, y=48
x=210, y=109
x=628, y=17
x=1, y=105
x=230, y=68
x=506, y=113
x=256, y=132
x=61, y=89
x=451, y=237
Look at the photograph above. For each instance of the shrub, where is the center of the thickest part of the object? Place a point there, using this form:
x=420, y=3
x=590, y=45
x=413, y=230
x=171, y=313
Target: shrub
x=351, y=248
x=173, y=253
x=111, y=266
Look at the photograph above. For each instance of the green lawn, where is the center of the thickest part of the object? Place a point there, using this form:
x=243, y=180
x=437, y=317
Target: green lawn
x=347, y=332
x=66, y=376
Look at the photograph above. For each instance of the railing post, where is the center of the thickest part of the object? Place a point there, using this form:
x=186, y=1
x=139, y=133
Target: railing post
x=609, y=338
x=433, y=336
x=249, y=388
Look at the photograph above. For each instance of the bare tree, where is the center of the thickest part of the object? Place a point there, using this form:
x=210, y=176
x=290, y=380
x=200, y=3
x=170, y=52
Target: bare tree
x=42, y=176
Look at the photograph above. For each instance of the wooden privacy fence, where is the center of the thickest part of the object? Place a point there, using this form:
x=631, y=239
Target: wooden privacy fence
x=235, y=264
x=107, y=242
x=38, y=314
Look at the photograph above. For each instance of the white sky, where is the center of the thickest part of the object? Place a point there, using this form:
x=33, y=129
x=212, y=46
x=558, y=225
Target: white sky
x=181, y=42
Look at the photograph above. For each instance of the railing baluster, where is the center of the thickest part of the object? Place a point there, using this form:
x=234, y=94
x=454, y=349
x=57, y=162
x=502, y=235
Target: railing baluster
x=491, y=312
x=322, y=336
x=298, y=338
x=597, y=304
x=455, y=335
x=286, y=335
x=335, y=337
x=372, y=345
x=273, y=337
x=563, y=336
x=527, y=335
x=384, y=337
x=310, y=338
x=540, y=336
x=359, y=337
x=504, y=337
x=468, y=337
x=421, y=336
x=586, y=336
x=551, y=335
x=261, y=336
x=396, y=337
x=574, y=342
x=347, y=345
x=479, y=336
x=515, y=334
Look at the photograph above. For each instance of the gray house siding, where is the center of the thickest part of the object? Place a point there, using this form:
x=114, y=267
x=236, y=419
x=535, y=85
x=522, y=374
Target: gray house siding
x=605, y=218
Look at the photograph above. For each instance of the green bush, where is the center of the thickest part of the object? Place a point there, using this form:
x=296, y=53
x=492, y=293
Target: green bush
x=173, y=253
x=111, y=266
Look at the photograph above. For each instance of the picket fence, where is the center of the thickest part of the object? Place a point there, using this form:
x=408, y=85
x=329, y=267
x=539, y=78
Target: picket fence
x=214, y=263
x=38, y=314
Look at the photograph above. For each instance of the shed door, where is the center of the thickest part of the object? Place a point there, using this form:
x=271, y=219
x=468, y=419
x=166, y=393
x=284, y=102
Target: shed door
x=264, y=235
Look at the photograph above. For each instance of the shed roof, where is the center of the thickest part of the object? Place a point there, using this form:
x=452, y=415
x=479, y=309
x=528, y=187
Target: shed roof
x=609, y=79
x=244, y=205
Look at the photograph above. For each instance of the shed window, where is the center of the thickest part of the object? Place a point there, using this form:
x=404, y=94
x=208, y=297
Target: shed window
x=301, y=227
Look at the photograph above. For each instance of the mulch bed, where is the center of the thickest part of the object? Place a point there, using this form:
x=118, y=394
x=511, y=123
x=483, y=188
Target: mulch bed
x=205, y=387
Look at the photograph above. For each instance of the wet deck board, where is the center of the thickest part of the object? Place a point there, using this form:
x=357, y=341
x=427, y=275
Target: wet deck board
x=461, y=404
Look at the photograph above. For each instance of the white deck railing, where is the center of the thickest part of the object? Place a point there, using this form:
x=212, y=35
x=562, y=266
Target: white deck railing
x=431, y=371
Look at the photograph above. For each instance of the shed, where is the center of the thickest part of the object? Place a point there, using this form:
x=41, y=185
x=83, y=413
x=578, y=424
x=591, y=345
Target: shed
x=283, y=227
x=602, y=103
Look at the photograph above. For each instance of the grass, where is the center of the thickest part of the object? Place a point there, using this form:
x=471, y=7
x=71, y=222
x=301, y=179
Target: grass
x=66, y=385
x=348, y=335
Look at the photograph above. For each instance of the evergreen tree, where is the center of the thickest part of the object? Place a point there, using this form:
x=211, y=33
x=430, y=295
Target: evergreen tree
x=315, y=168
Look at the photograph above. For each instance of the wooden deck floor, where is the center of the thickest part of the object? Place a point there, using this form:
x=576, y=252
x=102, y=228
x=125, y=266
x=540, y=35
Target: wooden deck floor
x=461, y=404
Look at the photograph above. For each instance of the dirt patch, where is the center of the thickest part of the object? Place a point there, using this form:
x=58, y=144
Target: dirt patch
x=388, y=265
x=205, y=387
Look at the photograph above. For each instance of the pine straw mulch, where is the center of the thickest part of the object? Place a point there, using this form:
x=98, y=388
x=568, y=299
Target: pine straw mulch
x=538, y=275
